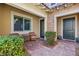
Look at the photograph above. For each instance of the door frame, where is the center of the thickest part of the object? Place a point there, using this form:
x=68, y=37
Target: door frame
x=72, y=20
x=75, y=16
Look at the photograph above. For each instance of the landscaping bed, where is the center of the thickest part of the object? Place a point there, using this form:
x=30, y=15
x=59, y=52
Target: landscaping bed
x=12, y=45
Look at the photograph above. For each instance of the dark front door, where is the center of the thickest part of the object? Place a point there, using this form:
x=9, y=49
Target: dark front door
x=69, y=28
x=42, y=28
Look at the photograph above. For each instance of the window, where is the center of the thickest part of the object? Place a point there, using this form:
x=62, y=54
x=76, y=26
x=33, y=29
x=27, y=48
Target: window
x=21, y=23
x=26, y=24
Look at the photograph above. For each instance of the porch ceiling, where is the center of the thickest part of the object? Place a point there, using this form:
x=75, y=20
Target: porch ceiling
x=23, y=6
x=45, y=7
x=51, y=7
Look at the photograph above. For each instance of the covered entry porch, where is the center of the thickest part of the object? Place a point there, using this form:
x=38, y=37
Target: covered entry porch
x=67, y=27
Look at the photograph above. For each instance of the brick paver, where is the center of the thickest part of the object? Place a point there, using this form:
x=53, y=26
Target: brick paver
x=63, y=48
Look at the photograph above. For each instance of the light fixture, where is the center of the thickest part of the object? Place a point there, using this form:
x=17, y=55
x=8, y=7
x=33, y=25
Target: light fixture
x=66, y=5
x=57, y=8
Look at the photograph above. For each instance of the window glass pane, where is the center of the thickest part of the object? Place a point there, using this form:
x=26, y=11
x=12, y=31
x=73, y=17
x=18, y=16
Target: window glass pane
x=18, y=23
x=26, y=24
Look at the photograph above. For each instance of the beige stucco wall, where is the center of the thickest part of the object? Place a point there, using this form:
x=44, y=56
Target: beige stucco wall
x=32, y=8
x=59, y=26
x=0, y=19
x=5, y=19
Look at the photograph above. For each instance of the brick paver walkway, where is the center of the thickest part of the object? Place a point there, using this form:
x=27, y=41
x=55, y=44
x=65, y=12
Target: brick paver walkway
x=63, y=48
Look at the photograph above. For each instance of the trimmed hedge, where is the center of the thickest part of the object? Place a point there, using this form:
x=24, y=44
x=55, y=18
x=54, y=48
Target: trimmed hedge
x=50, y=36
x=12, y=45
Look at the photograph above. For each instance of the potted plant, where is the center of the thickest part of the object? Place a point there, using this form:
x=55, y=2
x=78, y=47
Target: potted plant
x=51, y=37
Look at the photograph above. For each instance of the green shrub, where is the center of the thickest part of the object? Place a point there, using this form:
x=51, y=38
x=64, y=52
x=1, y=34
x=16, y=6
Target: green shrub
x=50, y=36
x=11, y=45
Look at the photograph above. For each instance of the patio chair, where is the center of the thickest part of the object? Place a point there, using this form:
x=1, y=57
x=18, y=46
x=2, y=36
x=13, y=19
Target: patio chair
x=32, y=36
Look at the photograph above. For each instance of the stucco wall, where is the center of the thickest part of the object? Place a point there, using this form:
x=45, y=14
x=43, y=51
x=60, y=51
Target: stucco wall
x=59, y=26
x=32, y=8
x=5, y=19
x=0, y=18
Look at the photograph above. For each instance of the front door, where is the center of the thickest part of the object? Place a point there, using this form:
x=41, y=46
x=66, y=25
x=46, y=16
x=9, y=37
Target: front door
x=42, y=28
x=69, y=28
